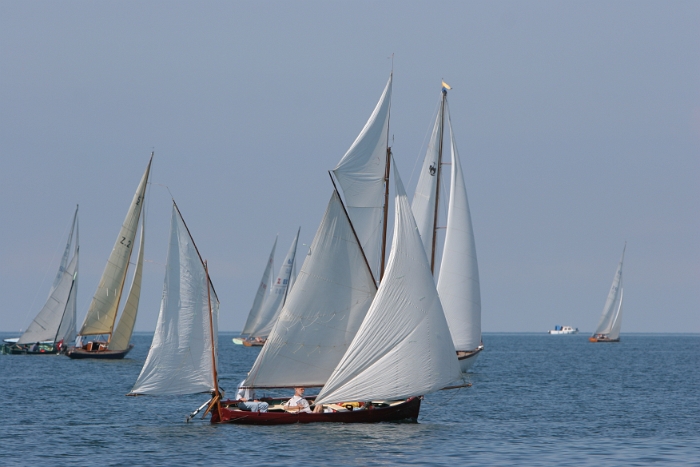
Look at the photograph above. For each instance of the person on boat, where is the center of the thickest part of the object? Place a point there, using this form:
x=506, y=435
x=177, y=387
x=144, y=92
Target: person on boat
x=298, y=404
x=247, y=400
x=34, y=347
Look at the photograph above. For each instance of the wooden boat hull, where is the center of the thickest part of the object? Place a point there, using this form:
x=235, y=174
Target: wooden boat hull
x=602, y=339
x=404, y=412
x=468, y=358
x=253, y=343
x=99, y=354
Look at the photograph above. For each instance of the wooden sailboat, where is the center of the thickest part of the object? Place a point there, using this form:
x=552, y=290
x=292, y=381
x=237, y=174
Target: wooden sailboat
x=54, y=326
x=270, y=299
x=102, y=314
x=458, y=280
x=608, y=329
x=401, y=350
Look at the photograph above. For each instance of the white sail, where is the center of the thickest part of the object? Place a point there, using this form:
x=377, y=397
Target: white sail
x=403, y=347
x=263, y=288
x=617, y=321
x=180, y=358
x=103, y=308
x=46, y=325
x=361, y=174
x=56, y=320
x=275, y=298
x=423, y=205
x=127, y=321
x=458, y=283
x=323, y=311
x=613, y=305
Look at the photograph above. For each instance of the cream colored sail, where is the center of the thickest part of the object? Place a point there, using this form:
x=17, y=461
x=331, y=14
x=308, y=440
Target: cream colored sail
x=182, y=359
x=403, y=347
x=103, y=308
x=127, y=321
x=458, y=283
x=361, y=174
x=323, y=310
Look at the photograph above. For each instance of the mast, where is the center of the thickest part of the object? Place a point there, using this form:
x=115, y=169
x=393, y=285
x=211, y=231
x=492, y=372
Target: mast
x=386, y=183
x=217, y=394
x=437, y=185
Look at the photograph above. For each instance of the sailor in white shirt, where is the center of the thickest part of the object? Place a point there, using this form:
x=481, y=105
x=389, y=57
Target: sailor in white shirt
x=297, y=403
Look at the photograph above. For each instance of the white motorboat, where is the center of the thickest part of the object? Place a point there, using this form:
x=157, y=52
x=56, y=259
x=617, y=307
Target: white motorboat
x=560, y=330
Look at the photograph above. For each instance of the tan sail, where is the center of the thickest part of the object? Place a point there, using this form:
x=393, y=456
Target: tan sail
x=103, y=310
x=122, y=335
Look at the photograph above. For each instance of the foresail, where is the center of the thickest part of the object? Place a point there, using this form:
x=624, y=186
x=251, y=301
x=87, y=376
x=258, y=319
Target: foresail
x=180, y=358
x=274, y=300
x=46, y=324
x=322, y=312
x=458, y=283
x=423, y=205
x=605, y=325
x=263, y=289
x=103, y=308
x=403, y=347
x=127, y=321
x=361, y=174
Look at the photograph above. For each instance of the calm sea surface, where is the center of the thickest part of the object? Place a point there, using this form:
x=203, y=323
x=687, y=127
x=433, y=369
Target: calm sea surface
x=535, y=400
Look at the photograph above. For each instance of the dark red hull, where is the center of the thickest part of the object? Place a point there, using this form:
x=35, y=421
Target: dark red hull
x=100, y=354
x=406, y=411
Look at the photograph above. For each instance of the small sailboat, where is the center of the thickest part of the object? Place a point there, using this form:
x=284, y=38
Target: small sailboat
x=102, y=314
x=54, y=326
x=183, y=356
x=270, y=298
x=608, y=329
x=458, y=280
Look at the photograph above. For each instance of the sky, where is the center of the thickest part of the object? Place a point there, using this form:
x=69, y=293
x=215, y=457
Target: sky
x=577, y=123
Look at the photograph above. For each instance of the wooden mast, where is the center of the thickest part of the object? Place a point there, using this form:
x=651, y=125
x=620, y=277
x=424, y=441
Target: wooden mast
x=217, y=394
x=437, y=185
x=386, y=186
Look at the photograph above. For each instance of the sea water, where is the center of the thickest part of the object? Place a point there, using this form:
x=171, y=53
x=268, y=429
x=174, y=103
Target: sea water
x=535, y=399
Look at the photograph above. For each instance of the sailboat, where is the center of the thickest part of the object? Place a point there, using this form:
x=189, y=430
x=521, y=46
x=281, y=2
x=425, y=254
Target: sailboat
x=401, y=350
x=608, y=329
x=102, y=314
x=54, y=326
x=458, y=280
x=265, y=311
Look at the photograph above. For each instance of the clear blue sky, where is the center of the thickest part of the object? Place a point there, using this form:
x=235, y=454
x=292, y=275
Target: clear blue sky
x=578, y=124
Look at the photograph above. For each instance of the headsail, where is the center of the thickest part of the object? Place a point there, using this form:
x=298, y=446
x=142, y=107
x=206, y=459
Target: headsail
x=403, y=347
x=361, y=174
x=610, y=320
x=458, y=283
x=278, y=292
x=56, y=320
x=263, y=288
x=181, y=360
x=323, y=311
x=127, y=321
x=103, y=309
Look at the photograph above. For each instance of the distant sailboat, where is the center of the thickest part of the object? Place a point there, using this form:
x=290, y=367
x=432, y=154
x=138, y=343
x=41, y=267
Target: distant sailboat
x=270, y=298
x=54, y=326
x=102, y=314
x=608, y=329
x=458, y=280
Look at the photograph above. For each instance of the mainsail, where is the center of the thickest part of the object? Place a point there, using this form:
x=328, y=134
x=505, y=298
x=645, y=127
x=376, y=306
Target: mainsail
x=103, y=309
x=323, y=311
x=611, y=319
x=403, y=347
x=254, y=313
x=362, y=175
x=458, y=283
x=182, y=356
x=56, y=320
x=274, y=300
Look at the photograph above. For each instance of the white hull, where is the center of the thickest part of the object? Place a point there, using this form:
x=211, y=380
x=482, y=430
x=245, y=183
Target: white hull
x=558, y=333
